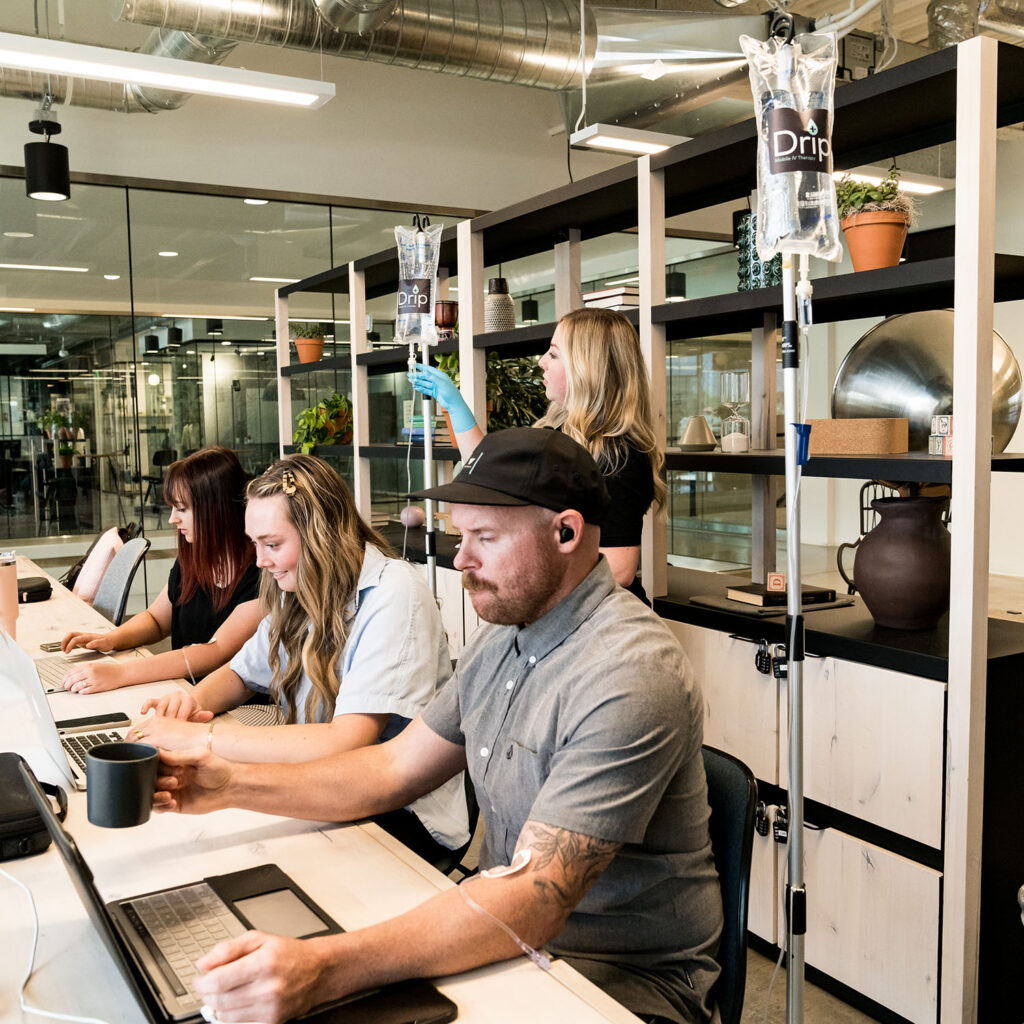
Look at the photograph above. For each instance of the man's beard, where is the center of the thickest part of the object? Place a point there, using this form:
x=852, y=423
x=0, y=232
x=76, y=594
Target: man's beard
x=521, y=602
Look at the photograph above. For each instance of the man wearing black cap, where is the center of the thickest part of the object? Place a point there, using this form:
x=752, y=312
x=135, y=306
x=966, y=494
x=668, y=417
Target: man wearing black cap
x=578, y=719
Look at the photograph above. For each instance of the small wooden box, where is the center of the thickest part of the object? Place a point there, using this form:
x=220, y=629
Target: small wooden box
x=889, y=436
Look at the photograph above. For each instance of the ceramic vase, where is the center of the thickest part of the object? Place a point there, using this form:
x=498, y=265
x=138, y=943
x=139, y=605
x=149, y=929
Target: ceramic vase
x=499, y=309
x=901, y=569
x=875, y=239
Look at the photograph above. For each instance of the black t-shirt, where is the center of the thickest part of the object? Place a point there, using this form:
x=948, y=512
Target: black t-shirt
x=631, y=490
x=197, y=620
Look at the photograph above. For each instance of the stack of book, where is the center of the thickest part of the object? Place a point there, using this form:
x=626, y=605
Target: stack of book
x=620, y=297
x=758, y=594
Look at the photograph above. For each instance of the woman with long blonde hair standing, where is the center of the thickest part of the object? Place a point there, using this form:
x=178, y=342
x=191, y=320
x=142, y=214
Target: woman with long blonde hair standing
x=600, y=395
x=351, y=646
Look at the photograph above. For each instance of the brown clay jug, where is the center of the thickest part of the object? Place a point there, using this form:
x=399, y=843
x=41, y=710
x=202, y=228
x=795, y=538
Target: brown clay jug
x=902, y=566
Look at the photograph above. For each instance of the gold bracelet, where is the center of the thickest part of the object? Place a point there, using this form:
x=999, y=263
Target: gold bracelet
x=209, y=734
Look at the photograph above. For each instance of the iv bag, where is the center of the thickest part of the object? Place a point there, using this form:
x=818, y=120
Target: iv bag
x=418, y=251
x=793, y=85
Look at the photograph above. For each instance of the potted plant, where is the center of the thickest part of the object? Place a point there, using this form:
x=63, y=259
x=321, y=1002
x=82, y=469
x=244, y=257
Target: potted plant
x=515, y=390
x=65, y=454
x=309, y=341
x=327, y=422
x=875, y=220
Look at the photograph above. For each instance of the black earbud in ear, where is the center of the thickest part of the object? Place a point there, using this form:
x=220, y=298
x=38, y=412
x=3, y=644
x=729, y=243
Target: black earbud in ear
x=565, y=534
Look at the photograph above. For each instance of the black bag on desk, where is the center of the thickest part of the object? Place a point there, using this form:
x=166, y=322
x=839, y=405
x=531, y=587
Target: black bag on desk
x=33, y=588
x=22, y=831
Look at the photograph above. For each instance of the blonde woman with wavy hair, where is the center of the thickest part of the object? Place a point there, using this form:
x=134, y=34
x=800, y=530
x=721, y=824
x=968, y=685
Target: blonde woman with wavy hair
x=351, y=646
x=600, y=395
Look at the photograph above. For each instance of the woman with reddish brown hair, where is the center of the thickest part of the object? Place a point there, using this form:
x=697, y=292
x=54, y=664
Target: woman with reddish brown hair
x=209, y=607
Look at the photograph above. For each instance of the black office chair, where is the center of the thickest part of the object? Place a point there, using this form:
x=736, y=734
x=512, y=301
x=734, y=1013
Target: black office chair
x=447, y=861
x=732, y=797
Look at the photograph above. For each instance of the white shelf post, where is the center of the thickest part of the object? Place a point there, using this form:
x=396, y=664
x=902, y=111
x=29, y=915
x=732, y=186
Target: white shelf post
x=651, y=255
x=284, y=384
x=472, y=362
x=360, y=390
x=973, y=296
x=568, y=275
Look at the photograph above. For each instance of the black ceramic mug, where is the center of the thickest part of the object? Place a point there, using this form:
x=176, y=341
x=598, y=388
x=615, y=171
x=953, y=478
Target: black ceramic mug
x=120, y=779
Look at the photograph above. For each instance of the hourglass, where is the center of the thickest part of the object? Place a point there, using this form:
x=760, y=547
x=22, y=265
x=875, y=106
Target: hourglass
x=735, y=429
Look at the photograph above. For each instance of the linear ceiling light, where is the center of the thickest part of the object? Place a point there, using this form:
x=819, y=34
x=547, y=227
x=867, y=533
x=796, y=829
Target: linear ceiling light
x=615, y=138
x=277, y=280
x=40, y=266
x=76, y=60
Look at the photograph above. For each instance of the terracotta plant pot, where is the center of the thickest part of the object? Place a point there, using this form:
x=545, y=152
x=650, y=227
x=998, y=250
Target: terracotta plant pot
x=309, y=349
x=875, y=239
x=340, y=428
x=902, y=566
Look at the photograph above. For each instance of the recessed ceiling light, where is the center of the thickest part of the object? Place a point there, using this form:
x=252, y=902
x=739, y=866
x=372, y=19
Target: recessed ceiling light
x=18, y=234
x=226, y=342
x=255, y=202
x=111, y=277
x=167, y=252
x=277, y=280
x=40, y=266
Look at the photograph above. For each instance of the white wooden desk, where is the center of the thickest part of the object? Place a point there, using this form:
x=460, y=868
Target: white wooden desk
x=358, y=873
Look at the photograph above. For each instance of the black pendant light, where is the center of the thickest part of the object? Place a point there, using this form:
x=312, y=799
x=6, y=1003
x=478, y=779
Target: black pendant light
x=174, y=338
x=214, y=327
x=675, y=286
x=151, y=344
x=47, y=173
x=531, y=311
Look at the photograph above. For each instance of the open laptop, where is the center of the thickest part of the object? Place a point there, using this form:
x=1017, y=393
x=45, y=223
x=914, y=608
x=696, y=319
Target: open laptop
x=156, y=938
x=67, y=749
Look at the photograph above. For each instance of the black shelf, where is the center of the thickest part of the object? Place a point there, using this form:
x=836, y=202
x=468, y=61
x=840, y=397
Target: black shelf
x=848, y=633
x=324, y=451
x=916, y=466
x=445, y=544
x=330, y=363
x=442, y=452
x=912, y=286
x=393, y=360
x=531, y=340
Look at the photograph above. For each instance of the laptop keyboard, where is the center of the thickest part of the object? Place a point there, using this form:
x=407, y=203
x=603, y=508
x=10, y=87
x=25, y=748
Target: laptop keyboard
x=178, y=927
x=52, y=670
x=77, y=745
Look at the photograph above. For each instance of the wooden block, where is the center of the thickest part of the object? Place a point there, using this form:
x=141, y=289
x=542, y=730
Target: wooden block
x=888, y=436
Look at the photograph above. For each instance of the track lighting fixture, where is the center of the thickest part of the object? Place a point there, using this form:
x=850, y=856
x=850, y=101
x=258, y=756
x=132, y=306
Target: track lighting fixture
x=47, y=173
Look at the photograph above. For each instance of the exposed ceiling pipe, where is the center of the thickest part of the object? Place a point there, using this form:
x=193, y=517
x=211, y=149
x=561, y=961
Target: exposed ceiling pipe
x=951, y=22
x=131, y=99
x=359, y=16
x=532, y=42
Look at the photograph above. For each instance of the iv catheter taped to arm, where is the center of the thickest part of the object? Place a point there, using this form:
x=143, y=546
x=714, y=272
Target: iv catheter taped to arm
x=793, y=86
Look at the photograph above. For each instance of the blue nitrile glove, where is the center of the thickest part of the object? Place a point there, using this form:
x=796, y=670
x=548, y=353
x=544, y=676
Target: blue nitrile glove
x=436, y=384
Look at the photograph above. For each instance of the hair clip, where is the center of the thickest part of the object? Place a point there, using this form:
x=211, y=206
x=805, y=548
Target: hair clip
x=288, y=484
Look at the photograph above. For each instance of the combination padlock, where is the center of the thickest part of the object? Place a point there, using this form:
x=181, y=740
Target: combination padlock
x=780, y=827
x=780, y=665
x=763, y=658
x=761, y=823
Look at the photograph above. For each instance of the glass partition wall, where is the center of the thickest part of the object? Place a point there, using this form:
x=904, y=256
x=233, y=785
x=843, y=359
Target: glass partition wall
x=136, y=325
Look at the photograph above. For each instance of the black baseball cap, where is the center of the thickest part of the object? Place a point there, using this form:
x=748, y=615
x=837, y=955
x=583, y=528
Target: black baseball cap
x=528, y=466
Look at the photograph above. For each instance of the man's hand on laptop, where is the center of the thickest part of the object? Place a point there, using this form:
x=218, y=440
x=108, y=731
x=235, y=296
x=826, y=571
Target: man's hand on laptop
x=177, y=705
x=260, y=977
x=192, y=782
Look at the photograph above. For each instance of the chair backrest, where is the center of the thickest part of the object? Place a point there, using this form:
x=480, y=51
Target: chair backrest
x=164, y=457
x=732, y=797
x=112, y=593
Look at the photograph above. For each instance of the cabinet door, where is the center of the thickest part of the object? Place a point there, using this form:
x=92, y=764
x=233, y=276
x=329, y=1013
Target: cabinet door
x=872, y=921
x=763, y=905
x=741, y=706
x=872, y=745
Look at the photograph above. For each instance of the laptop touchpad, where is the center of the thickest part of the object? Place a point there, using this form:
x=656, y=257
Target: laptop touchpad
x=281, y=913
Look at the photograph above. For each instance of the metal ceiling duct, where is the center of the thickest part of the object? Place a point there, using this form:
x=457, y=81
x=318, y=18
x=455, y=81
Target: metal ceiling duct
x=532, y=42
x=130, y=99
x=951, y=22
x=359, y=16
